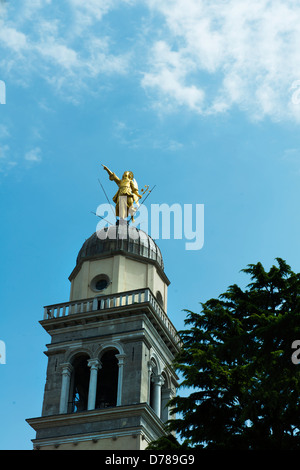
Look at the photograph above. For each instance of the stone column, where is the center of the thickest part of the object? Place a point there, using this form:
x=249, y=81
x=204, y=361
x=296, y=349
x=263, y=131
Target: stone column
x=120, y=358
x=149, y=380
x=158, y=382
x=94, y=365
x=66, y=370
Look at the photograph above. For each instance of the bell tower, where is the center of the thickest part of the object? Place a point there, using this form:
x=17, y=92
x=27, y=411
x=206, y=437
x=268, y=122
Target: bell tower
x=108, y=376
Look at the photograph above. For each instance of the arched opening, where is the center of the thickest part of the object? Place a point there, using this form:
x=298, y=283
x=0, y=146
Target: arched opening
x=153, y=374
x=160, y=299
x=151, y=400
x=107, y=382
x=165, y=397
x=79, y=388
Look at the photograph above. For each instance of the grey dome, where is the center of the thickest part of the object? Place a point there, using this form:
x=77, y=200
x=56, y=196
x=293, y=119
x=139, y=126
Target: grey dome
x=120, y=238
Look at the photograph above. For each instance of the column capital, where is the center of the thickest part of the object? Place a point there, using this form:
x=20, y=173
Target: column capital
x=121, y=358
x=169, y=391
x=94, y=364
x=66, y=368
x=158, y=380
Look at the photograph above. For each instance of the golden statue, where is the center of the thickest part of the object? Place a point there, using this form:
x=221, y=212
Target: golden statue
x=127, y=194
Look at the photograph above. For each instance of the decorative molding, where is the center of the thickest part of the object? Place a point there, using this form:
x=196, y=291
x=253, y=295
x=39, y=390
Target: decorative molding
x=149, y=424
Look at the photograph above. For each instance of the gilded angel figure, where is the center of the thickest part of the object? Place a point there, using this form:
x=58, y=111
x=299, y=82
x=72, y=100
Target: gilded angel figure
x=127, y=194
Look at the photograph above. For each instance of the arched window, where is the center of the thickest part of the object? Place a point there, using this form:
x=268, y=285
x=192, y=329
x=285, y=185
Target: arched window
x=159, y=299
x=151, y=400
x=159, y=391
x=165, y=397
x=107, y=382
x=79, y=387
x=153, y=373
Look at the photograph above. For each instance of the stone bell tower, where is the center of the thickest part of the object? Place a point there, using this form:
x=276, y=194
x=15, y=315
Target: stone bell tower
x=109, y=377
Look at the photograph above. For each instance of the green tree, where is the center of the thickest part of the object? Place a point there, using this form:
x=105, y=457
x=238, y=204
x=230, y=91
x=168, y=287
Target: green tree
x=236, y=358
x=168, y=442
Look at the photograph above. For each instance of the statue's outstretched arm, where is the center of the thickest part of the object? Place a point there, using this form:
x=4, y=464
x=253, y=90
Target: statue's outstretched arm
x=112, y=176
x=108, y=171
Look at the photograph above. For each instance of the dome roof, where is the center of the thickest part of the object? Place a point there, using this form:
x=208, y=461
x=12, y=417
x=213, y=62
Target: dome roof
x=120, y=238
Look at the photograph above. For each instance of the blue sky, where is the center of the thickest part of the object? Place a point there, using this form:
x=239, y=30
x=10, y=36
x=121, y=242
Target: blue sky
x=198, y=97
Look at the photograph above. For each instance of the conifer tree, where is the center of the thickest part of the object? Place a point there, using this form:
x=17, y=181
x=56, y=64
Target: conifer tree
x=236, y=358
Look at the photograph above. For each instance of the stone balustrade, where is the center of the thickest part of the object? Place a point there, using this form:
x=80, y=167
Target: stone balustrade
x=106, y=302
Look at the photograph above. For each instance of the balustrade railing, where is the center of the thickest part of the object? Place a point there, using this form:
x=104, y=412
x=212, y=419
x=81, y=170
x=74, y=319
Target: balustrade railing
x=108, y=302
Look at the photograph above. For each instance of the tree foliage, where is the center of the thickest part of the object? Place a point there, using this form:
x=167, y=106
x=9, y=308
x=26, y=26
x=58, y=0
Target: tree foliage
x=168, y=442
x=236, y=357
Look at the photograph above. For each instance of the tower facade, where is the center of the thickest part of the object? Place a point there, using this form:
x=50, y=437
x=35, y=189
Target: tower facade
x=109, y=378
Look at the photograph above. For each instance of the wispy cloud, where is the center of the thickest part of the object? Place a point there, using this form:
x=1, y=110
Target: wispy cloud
x=169, y=75
x=33, y=155
x=3, y=152
x=134, y=138
x=12, y=157
x=208, y=57
x=6, y=161
x=12, y=38
x=4, y=132
x=61, y=43
x=235, y=52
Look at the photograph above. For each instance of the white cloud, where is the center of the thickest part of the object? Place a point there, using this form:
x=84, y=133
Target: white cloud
x=6, y=162
x=90, y=10
x=4, y=131
x=3, y=151
x=10, y=158
x=12, y=38
x=33, y=155
x=62, y=43
x=207, y=56
x=244, y=53
x=169, y=73
x=101, y=61
x=59, y=53
x=134, y=138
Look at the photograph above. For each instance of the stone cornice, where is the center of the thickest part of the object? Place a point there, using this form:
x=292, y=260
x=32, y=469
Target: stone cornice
x=142, y=410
